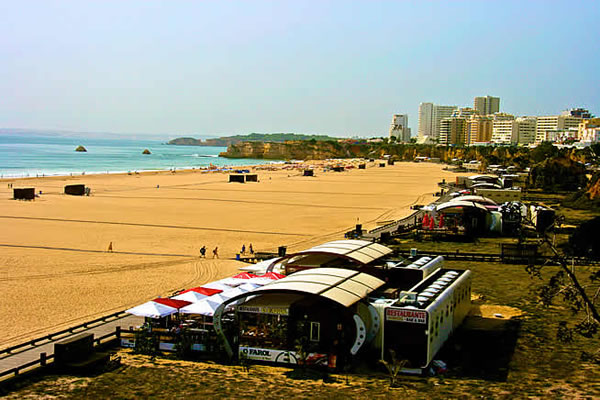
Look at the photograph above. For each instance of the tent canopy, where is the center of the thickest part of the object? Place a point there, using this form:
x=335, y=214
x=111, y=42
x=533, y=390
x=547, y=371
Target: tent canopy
x=177, y=304
x=203, y=290
x=203, y=307
x=152, y=310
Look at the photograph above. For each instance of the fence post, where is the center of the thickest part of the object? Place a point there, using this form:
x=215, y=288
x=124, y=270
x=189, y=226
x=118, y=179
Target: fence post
x=43, y=359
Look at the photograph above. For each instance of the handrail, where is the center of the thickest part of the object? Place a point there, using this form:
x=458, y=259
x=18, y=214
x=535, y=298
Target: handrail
x=43, y=360
x=54, y=335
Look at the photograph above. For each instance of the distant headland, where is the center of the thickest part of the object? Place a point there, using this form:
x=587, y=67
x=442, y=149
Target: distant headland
x=252, y=137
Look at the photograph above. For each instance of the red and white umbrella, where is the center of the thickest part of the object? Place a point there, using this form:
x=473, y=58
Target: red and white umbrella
x=195, y=294
x=158, y=308
x=272, y=275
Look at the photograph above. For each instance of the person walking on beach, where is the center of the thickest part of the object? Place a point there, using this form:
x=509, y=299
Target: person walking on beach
x=203, y=251
x=243, y=249
x=250, y=249
x=110, y=250
x=216, y=252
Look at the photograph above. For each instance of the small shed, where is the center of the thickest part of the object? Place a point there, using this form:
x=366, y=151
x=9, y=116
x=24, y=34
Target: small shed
x=308, y=172
x=75, y=190
x=24, y=194
x=251, y=177
x=237, y=178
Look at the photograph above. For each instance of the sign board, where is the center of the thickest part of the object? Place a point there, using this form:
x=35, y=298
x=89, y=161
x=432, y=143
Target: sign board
x=264, y=310
x=404, y=315
x=280, y=356
x=130, y=343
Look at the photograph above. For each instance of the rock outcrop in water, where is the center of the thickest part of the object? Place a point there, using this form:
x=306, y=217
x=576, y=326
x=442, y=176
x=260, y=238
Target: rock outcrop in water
x=81, y=149
x=146, y=151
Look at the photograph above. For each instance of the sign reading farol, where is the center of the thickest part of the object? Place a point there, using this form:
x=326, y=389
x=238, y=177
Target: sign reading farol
x=402, y=315
x=284, y=356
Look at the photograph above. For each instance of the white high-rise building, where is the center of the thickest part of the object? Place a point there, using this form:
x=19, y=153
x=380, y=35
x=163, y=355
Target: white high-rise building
x=399, y=128
x=430, y=116
x=425, y=115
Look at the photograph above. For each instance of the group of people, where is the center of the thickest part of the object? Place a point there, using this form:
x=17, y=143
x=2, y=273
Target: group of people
x=215, y=252
x=250, y=249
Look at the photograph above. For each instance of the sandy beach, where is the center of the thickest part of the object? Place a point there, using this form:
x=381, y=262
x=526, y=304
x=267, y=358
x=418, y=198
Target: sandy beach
x=55, y=270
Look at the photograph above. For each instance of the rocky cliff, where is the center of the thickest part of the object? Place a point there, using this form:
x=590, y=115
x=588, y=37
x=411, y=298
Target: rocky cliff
x=296, y=150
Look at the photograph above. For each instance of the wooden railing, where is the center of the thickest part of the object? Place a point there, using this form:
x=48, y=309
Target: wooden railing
x=53, y=336
x=45, y=359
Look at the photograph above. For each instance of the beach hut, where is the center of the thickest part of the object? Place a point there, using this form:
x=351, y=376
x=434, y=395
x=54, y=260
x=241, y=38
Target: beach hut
x=24, y=194
x=251, y=177
x=237, y=178
x=75, y=190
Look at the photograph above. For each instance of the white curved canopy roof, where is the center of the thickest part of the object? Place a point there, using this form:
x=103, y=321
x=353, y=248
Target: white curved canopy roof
x=476, y=199
x=343, y=286
x=361, y=251
x=460, y=204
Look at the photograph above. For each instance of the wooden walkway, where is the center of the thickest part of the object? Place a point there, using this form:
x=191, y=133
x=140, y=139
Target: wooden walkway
x=30, y=354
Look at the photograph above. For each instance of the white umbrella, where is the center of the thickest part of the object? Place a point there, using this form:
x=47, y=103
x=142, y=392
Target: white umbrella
x=190, y=296
x=232, y=281
x=217, y=285
x=249, y=286
x=152, y=310
x=204, y=307
x=232, y=293
x=260, y=281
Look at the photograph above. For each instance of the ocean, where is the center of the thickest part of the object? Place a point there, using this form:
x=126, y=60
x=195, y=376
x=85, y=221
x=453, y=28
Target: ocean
x=27, y=155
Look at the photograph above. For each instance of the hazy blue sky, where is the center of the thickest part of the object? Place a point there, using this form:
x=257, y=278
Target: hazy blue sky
x=332, y=67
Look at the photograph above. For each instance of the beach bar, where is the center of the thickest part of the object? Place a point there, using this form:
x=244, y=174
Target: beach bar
x=24, y=194
x=316, y=311
x=75, y=190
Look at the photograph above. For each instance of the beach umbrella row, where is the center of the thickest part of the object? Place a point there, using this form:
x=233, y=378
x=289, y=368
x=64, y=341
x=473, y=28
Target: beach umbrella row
x=204, y=299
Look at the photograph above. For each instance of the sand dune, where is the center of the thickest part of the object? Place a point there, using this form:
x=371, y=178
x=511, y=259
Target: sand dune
x=55, y=271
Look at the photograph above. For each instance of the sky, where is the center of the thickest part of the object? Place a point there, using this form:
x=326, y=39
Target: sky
x=341, y=68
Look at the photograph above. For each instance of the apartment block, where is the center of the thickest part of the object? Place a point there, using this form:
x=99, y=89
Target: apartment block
x=430, y=116
x=453, y=131
x=479, y=129
x=554, y=123
x=486, y=105
x=504, y=130
x=526, y=129
x=399, y=128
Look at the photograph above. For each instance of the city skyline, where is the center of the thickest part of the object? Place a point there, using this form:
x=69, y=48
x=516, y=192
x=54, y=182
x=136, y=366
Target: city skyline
x=335, y=68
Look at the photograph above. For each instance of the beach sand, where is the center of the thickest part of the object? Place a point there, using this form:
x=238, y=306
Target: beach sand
x=55, y=270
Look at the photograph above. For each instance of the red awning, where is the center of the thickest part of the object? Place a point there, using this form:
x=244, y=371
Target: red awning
x=172, y=302
x=272, y=275
x=203, y=290
x=245, y=275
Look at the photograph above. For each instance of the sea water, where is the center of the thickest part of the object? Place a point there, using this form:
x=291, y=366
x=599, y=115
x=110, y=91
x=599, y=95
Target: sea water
x=28, y=155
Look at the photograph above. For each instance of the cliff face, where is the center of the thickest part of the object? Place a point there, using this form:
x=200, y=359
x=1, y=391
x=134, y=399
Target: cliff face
x=297, y=150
